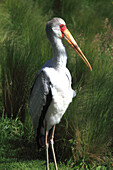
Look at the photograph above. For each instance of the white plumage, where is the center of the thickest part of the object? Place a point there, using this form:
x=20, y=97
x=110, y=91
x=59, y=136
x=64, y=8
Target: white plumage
x=51, y=93
x=62, y=95
x=58, y=79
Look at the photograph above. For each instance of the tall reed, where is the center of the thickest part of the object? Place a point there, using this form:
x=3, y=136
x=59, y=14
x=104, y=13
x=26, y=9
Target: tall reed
x=88, y=121
x=23, y=52
x=85, y=132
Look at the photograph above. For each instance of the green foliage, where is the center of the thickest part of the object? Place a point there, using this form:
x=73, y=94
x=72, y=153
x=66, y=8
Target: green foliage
x=89, y=118
x=18, y=152
x=10, y=129
x=86, y=137
x=23, y=53
x=86, y=15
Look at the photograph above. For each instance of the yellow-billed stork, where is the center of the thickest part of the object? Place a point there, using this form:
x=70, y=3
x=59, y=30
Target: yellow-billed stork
x=51, y=92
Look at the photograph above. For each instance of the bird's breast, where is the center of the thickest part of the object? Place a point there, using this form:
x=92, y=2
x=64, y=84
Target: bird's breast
x=60, y=82
x=62, y=95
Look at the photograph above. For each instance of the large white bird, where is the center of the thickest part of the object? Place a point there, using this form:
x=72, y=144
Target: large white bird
x=51, y=92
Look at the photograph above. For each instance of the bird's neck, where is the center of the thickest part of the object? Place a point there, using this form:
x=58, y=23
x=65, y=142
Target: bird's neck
x=59, y=53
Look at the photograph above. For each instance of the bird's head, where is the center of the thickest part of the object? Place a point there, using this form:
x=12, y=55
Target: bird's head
x=57, y=27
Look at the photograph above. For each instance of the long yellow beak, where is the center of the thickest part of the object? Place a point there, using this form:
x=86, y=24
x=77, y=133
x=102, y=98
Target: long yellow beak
x=69, y=38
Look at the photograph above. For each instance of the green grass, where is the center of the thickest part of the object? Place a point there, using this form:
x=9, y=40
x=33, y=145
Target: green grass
x=84, y=137
x=18, y=155
x=18, y=152
x=89, y=118
x=21, y=55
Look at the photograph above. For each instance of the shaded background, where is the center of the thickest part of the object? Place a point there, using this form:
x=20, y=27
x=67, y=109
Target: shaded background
x=85, y=132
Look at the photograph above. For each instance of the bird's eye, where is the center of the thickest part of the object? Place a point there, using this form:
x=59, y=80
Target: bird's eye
x=61, y=26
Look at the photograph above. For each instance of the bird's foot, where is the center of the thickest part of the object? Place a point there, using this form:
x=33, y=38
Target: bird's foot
x=41, y=141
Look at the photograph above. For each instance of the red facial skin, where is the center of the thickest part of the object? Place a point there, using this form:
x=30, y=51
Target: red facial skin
x=62, y=28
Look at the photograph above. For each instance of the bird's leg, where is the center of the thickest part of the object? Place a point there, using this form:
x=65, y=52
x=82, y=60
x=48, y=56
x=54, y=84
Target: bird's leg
x=52, y=142
x=47, y=146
